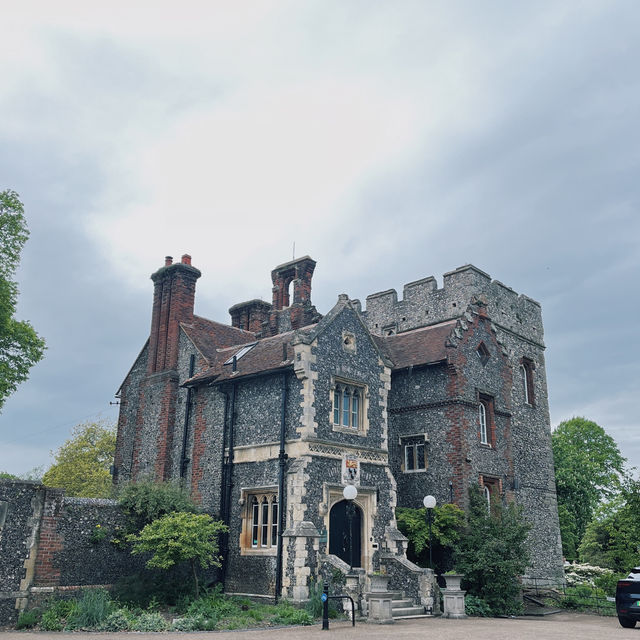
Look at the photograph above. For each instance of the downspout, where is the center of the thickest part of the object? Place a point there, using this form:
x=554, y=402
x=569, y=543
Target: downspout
x=282, y=498
x=184, y=461
x=228, y=478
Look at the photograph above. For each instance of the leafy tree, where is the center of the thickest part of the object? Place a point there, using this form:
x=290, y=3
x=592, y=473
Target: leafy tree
x=20, y=345
x=448, y=520
x=82, y=463
x=588, y=467
x=4, y=475
x=612, y=538
x=181, y=537
x=492, y=554
x=145, y=502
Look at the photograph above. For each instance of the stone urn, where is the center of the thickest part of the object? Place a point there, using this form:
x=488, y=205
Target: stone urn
x=453, y=580
x=379, y=582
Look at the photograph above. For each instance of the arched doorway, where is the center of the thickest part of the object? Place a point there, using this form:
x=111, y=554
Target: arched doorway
x=339, y=538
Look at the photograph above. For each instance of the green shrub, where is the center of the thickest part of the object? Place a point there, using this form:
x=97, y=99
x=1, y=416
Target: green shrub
x=492, y=554
x=28, y=619
x=169, y=587
x=51, y=621
x=118, y=620
x=145, y=502
x=287, y=614
x=91, y=609
x=149, y=621
x=608, y=582
x=475, y=606
x=314, y=606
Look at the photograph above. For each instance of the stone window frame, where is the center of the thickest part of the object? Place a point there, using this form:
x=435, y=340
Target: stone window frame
x=359, y=391
x=526, y=375
x=486, y=420
x=414, y=441
x=254, y=500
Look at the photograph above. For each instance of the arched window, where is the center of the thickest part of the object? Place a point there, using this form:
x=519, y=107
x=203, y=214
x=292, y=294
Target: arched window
x=526, y=376
x=347, y=405
x=482, y=422
x=487, y=496
x=261, y=522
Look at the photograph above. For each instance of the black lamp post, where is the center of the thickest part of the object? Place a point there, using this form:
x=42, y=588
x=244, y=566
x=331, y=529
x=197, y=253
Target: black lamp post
x=429, y=502
x=350, y=493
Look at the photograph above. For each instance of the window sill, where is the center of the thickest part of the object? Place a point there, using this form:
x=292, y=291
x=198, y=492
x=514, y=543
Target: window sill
x=351, y=430
x=270, y=551
x=414, y=471
x=486, y=445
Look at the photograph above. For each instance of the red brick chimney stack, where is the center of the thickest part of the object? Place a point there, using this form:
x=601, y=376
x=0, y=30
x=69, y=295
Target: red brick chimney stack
x=173, y=300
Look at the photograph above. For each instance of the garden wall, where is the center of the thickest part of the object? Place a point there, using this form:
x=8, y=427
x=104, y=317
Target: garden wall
x=49, y=542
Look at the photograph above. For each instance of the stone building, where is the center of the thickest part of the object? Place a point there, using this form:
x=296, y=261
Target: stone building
x=267, y=419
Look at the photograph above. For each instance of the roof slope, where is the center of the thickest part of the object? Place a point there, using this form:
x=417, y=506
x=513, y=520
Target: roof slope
x=268, y=354
x=426, y=345
x=209, y=336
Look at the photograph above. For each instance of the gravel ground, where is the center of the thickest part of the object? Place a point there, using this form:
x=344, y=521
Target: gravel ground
x=560, y=626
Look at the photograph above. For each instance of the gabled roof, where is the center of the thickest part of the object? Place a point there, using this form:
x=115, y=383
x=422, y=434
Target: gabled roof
x=265, y=355
x=209, y=336
x=426, y=345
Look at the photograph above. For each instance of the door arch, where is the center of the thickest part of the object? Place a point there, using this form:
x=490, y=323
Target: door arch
x=339, y=538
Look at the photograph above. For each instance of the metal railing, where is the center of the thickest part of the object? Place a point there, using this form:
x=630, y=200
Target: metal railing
x=580, y=597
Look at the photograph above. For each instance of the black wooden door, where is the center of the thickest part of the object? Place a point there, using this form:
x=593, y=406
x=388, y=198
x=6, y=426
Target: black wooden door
x=339, y=539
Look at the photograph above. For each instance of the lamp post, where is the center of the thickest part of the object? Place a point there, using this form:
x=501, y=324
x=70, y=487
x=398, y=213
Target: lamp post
x=429, y=502
x=350, y=493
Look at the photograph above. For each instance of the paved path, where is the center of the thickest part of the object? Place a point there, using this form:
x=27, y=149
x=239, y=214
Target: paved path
x=561, y=626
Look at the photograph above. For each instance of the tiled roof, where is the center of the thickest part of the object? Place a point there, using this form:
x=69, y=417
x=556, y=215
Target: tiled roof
x=209, y=336
x=419, y=346
x=266, y=355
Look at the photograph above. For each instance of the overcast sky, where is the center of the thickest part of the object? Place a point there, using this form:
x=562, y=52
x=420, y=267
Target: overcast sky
x=389, y=140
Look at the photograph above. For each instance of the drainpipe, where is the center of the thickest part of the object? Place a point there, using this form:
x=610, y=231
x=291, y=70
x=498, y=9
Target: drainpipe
x=228, y=480
x=184, y=461
x=282, y=501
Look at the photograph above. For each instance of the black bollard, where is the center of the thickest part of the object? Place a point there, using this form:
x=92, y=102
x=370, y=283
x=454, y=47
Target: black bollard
x=325, y=607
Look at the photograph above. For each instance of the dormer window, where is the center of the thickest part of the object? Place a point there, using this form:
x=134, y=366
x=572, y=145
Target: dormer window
x=241, y=352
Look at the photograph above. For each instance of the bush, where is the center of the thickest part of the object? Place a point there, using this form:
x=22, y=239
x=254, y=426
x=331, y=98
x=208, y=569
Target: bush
x=314, y=606
x=181, y=537
x=475, y=606
x=51, y=621
x=608, y=583
x=149, y=621
x=118, y=620
x=166, y=587
x=492, y=553
x=90, y=610
x=56, y=614
x=288, y=614
x=28, y=619
x=145, y=502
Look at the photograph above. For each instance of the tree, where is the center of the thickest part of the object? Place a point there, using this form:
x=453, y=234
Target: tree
x=448, y=520
x=20, y=345
x=612, y=538
x=588, y=467
x=181, y=537
x=82, y=463
x=492, y=554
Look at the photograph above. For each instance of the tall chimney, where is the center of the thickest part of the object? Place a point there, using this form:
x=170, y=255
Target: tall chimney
x=173, y=299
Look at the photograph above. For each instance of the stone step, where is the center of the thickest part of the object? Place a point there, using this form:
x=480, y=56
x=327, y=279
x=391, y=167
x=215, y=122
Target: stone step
x=419, y=615
x=407, y=611
x=400, y=604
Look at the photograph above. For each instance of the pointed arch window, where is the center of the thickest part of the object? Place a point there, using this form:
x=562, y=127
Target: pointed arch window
x=482, y=422
x=348, y=403
x=261, y=523
x=526, y=377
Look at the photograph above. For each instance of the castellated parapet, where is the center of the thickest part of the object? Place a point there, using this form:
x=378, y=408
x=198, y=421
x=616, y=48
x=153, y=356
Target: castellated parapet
x=423, y=304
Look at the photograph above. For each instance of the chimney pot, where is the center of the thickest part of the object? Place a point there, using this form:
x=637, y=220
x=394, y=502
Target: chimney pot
x=168, y=261
x=186, y=259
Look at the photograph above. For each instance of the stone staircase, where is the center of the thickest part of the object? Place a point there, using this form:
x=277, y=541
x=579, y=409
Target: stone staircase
x=403, y=608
